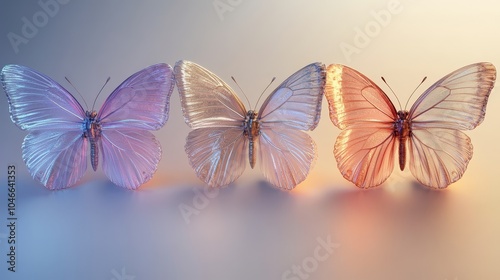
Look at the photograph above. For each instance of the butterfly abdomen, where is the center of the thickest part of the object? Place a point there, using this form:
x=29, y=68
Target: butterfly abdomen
x=92, y=131
x=251, y=130
x=402, y=132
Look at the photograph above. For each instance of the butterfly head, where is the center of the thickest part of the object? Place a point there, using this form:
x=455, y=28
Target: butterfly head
x=91, y=114
x=402, y=115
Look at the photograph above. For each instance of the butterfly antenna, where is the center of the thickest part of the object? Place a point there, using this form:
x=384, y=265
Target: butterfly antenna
x=248, y=101
x=87, y=106
x=423, y=80
x=272, y=80
x=392, y=91
x=107, y=80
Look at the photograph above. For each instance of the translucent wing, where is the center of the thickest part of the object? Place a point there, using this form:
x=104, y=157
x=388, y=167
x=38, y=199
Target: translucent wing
x=285, y=156
x=354, y=100
x=458, y=100
x=216, y=147
x=57, y=159
x=36, y=102
x=439, y=156
x=365, y=148
x=206, y=100
x=130, y=153
x=217, y=154
x=54, y=151
x=439, y=151
x=141, y=101
x=130, y=156
x=365, y=156
x=296, y=103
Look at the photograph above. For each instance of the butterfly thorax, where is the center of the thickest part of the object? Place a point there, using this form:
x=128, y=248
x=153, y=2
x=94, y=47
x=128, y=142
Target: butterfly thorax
x=402, y=130
x=92, y=131
x=251, y=130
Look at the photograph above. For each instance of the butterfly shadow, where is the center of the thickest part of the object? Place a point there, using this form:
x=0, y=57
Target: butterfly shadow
x=353, y=197
x=28, y=188
x=240, y=200
x=428, y=201
x=267, y=191
x=105, y=191
x=411, y=200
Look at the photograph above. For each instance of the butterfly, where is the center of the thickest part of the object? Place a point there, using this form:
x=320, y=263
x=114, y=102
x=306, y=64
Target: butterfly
x=373, y=132
x=60, y=130
x=223, y=128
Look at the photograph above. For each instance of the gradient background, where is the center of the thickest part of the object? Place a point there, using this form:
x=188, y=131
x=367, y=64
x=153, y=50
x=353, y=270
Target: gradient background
x=251, y=230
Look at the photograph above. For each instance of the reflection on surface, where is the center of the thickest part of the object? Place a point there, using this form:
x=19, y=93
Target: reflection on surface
x=251, y=231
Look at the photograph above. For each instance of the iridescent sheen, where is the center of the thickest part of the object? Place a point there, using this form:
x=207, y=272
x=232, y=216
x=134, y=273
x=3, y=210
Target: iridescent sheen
x=438, y=150
x=59, y=129
x=223, y=129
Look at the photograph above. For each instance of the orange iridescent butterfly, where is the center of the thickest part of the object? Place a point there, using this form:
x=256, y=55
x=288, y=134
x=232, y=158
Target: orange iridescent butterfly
x=429, y=134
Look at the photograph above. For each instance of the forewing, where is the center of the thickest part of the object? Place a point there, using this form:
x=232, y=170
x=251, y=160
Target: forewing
x=206, y=100
x=217, y=155
x=285, y=156
x=141, y=101
x=439, y=156
x=130, y=157
x=296, y=103
x=36, y=102
x=353, y=99
x=54, y=158
x=458, y=100
x=365, y=148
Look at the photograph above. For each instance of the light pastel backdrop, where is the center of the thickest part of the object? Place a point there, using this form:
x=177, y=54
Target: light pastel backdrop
x=250, y=230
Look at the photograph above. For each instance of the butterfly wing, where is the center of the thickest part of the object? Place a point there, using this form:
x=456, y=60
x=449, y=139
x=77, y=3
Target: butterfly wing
x=130, y=156
x=439, y=150
x=286, y=154
x=55, y=150
x=130, y=153
x=365, y=148
x=141, y=101
x=36, y=102
x=217, y=154
x=57, y=159
x=216, y=147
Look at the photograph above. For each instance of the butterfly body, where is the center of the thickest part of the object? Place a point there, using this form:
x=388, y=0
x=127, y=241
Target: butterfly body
x=402, y=130
x=251, y=130
x=92, y=132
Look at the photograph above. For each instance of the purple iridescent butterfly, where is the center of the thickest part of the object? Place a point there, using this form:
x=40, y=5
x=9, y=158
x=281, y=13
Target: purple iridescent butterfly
x=60, y=130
